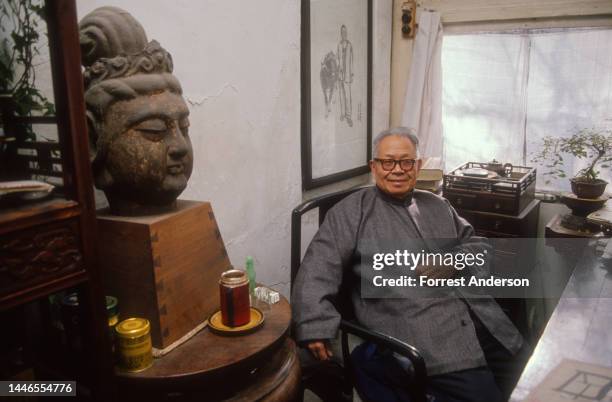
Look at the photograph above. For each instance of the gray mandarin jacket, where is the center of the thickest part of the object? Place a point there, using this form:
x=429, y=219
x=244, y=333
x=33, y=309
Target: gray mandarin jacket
x=441, y=327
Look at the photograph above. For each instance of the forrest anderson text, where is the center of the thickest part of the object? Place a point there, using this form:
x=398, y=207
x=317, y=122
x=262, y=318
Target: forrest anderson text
x=424, y=280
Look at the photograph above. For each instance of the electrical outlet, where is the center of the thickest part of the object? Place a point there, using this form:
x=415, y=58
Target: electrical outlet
x=409, y=19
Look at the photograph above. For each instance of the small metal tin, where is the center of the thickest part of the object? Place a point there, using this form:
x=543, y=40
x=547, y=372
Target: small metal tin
x=234, y=295
x=70, y=322
x=112, y=311
x=134, y=344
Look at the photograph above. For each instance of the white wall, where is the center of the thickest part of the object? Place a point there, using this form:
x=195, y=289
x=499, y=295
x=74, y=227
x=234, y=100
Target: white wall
x=239, y=65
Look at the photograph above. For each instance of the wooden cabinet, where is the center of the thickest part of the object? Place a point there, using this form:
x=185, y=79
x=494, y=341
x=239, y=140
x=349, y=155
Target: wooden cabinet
x=39, y=258
x=49, y=246
x=506, y=230
x=513, y=257
x=524, y=224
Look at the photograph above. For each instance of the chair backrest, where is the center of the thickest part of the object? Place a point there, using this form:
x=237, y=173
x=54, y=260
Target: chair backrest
x=324, y=203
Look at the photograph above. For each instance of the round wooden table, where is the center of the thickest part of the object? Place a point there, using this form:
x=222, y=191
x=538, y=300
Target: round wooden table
x=261, y=366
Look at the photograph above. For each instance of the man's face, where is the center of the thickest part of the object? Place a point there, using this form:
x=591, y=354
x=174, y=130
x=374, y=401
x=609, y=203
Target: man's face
x=396, y=182
x=149, y=156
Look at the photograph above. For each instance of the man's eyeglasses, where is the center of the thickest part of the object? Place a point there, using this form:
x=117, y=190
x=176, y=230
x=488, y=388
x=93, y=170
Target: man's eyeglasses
x=389, y=164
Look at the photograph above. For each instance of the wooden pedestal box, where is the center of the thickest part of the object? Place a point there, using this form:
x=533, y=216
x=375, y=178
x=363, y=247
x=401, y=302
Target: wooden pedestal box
x=165, y=268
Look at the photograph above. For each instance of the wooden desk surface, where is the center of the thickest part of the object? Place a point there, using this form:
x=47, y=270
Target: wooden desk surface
x=208, y=357
x=580, y=328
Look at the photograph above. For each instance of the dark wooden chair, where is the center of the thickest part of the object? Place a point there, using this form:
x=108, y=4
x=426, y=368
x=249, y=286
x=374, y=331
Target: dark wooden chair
x=332, y=381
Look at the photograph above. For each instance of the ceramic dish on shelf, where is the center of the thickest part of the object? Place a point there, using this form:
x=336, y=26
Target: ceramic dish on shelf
x=216, y=324
x=479, y=173
x=26, y=190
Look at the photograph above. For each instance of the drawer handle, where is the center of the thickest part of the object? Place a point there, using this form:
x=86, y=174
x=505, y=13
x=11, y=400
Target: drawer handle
x=497, y=224
x=459, y=201
x=497, y=205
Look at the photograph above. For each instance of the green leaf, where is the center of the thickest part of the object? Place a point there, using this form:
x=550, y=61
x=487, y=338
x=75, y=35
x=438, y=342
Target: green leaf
x=18, y=47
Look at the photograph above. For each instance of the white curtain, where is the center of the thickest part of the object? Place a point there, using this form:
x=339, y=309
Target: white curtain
x=504, y=92
x=570, y=89
x=484, y=98
x=423, y=103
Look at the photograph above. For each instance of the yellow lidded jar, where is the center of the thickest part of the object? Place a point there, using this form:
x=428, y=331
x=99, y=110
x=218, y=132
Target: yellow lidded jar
x=134, y=344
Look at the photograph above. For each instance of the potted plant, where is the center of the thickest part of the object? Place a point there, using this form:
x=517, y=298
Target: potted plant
x=593, y=145
x=19, y=26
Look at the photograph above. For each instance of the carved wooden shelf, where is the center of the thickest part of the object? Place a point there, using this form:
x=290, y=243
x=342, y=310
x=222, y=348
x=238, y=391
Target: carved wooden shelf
x=50, y=246
x=49, y=286
x=26, y=215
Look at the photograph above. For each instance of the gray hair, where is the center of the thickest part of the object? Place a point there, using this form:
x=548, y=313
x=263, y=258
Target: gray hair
x=404, y=132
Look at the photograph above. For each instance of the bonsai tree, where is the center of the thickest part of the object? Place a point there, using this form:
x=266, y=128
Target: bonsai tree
x=593, y=145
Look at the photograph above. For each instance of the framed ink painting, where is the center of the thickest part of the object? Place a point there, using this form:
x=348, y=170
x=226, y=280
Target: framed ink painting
x=336, y=90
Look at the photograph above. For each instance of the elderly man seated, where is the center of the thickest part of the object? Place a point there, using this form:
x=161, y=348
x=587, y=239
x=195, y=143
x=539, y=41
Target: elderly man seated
x=469, y=344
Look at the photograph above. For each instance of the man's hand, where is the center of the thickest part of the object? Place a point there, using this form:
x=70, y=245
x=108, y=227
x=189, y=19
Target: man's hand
x=436, y=272
x=320, y=350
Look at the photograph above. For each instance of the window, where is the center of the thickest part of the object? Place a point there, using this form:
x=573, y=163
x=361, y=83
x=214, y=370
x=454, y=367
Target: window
x=504, y=92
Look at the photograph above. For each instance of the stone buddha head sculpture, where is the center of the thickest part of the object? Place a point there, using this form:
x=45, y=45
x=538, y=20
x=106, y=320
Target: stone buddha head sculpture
x=137, y=118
